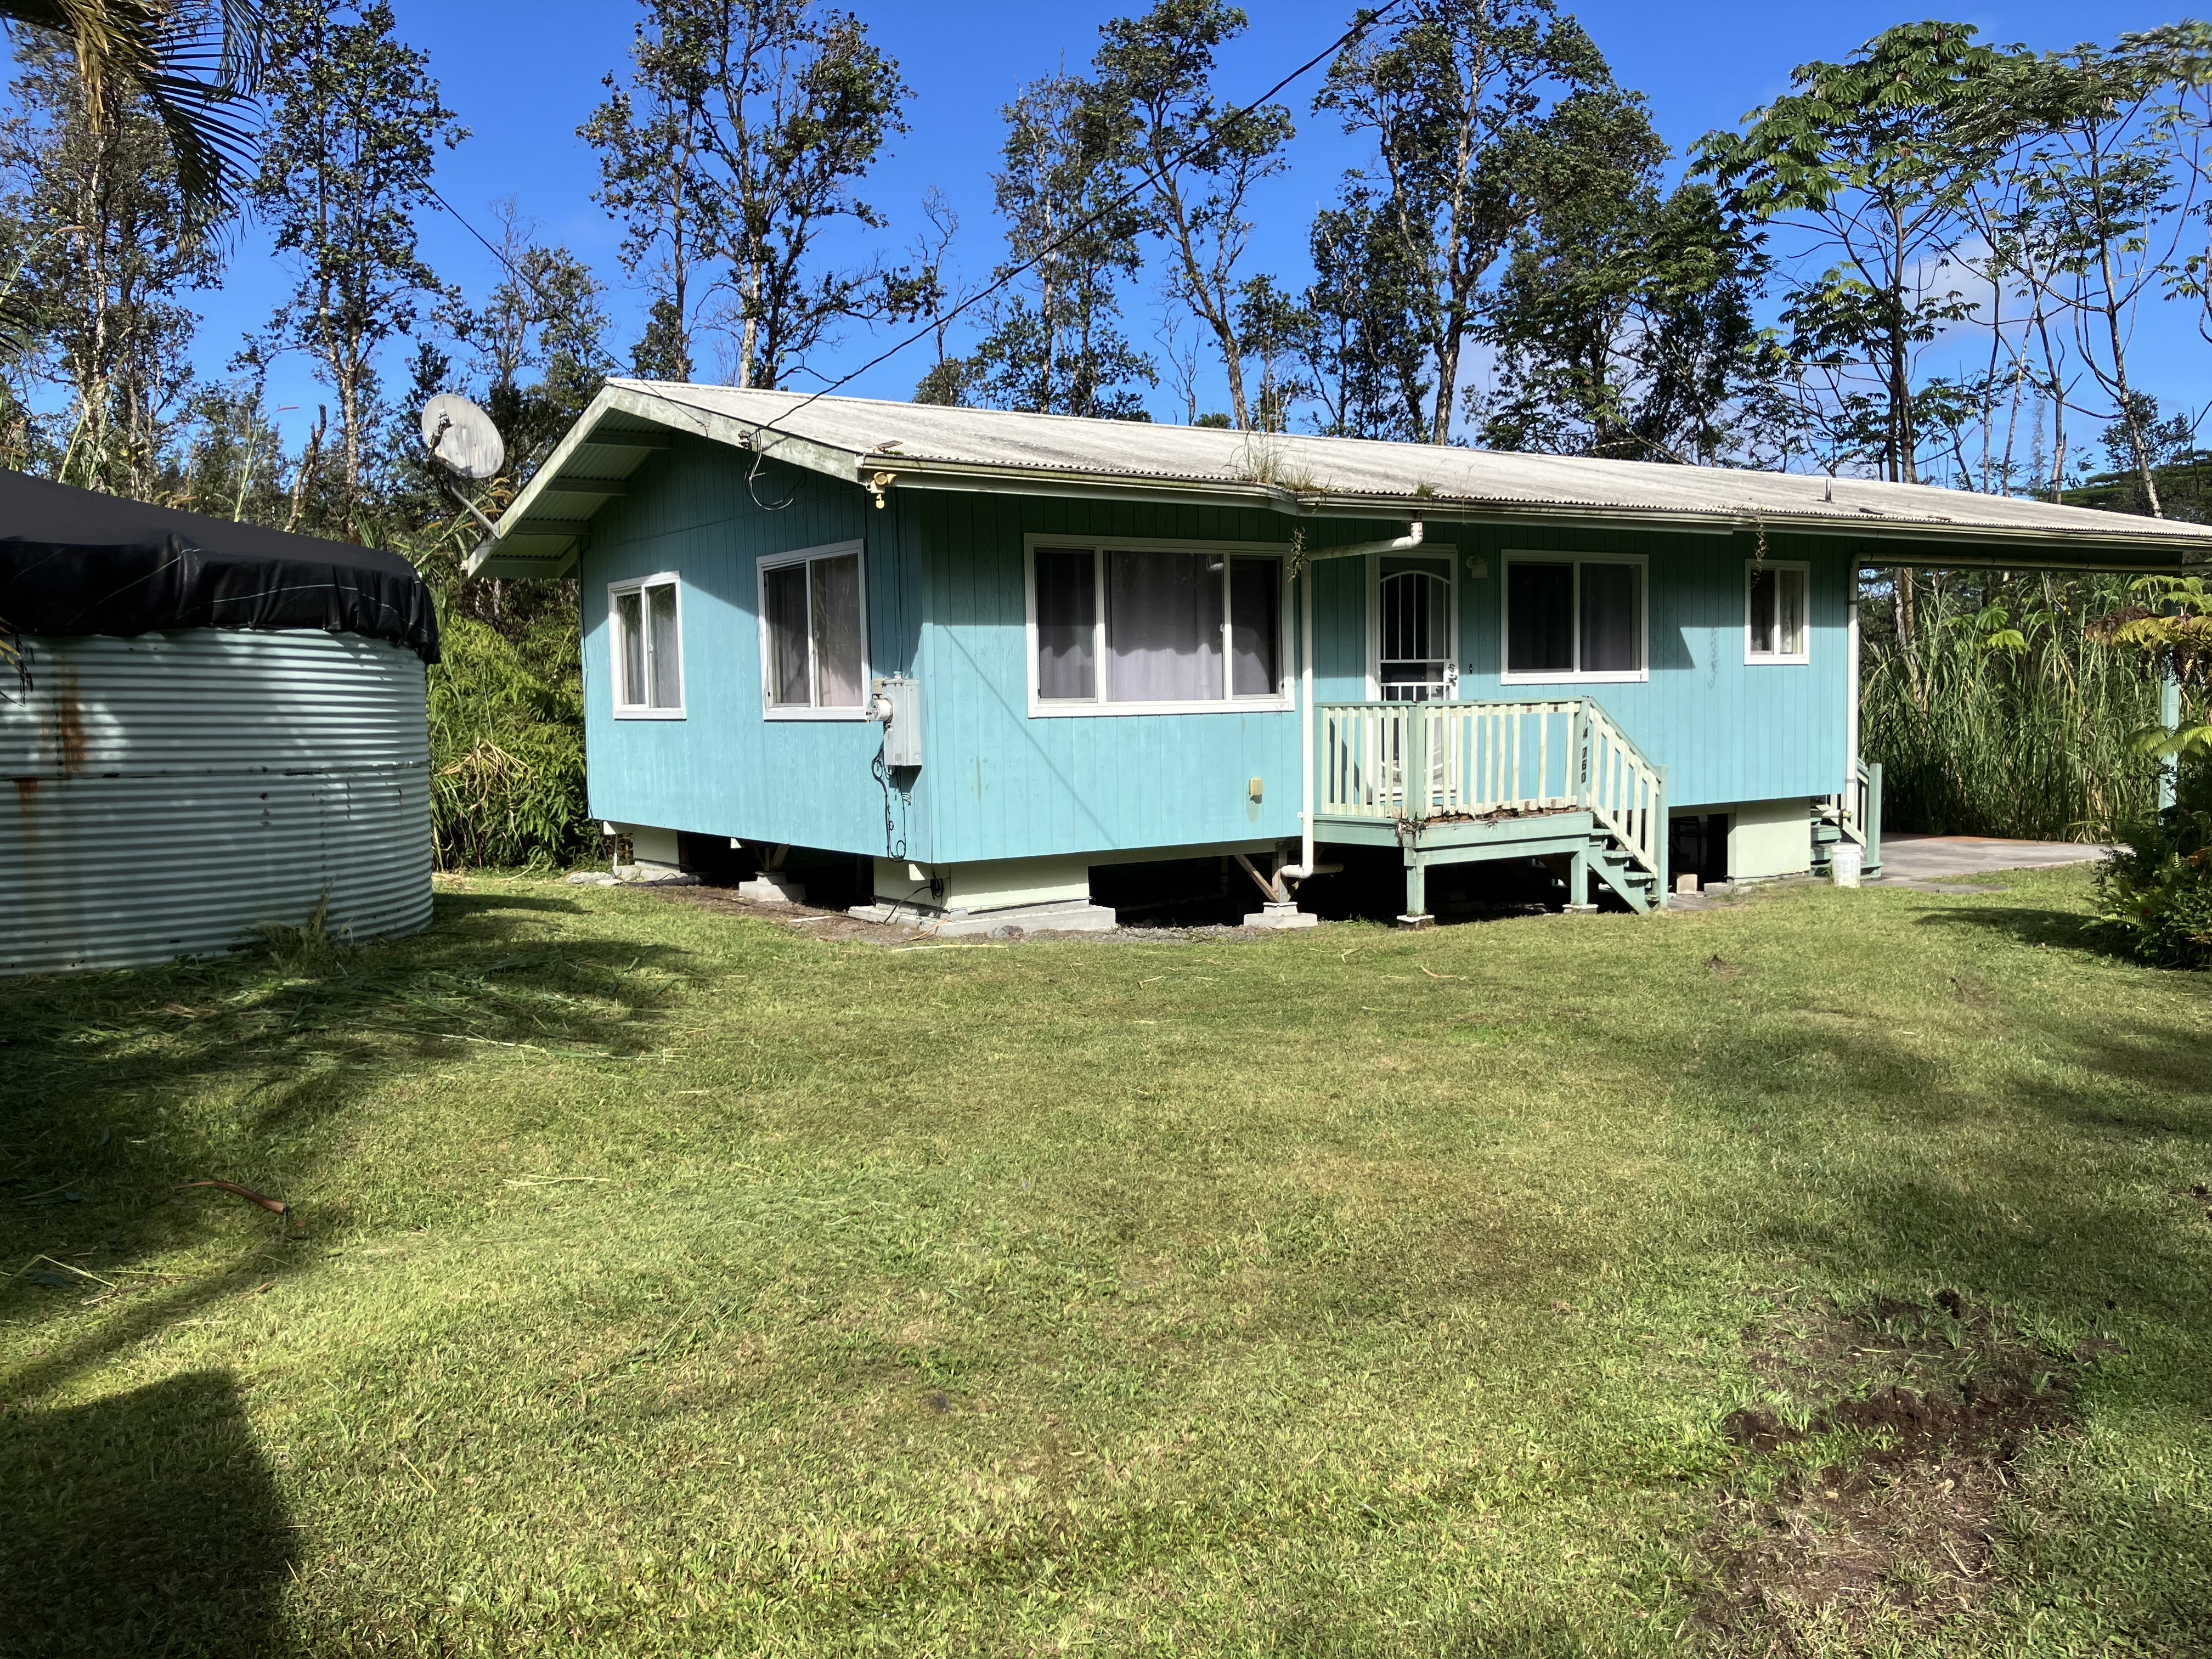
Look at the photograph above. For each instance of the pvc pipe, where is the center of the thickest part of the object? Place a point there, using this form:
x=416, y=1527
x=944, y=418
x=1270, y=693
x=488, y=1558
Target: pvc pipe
x=1305, y=868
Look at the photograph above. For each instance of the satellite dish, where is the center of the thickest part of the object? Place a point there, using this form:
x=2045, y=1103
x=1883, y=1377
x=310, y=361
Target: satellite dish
x=462, y=437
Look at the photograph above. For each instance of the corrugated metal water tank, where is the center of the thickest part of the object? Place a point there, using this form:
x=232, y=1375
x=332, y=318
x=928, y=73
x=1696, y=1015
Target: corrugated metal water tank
x=174, y=792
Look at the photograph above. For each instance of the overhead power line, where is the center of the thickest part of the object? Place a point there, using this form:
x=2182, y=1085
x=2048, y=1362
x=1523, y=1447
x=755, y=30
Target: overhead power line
x=1361, y=21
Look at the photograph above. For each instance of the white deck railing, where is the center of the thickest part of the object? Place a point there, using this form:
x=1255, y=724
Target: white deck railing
x=1484, y=758
x=1857, y=810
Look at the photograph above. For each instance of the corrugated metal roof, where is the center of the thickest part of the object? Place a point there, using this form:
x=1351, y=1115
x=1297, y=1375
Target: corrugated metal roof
x=894, y=445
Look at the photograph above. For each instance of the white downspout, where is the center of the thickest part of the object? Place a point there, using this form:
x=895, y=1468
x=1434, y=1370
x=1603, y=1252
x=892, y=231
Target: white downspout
x=1305, y=868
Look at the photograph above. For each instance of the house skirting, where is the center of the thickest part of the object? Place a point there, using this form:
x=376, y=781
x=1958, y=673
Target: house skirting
x=1765, y=838
x=1043, y=895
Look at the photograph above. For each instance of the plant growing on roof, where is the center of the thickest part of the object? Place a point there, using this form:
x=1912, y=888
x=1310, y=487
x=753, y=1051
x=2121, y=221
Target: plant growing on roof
x=739, y=141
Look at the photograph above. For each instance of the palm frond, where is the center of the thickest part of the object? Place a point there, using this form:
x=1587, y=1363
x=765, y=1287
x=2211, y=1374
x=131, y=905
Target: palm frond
x=195, y=62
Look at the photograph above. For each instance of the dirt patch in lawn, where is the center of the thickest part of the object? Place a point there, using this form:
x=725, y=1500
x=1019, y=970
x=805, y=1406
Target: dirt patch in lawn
x=1887, y=1441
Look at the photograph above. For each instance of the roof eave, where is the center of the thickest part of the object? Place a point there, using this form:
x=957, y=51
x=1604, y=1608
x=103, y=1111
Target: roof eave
x=1951, y=545
x=523, y=548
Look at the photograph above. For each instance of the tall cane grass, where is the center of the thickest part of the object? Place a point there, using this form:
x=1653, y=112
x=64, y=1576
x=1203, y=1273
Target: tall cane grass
x=1994, y=712
x=506, y=747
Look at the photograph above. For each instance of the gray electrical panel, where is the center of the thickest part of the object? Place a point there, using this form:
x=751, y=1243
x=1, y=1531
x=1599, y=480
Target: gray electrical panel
x=895, y=701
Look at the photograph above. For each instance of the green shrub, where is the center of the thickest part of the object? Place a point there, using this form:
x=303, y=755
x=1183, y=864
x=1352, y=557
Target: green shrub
x=507, y=746
x=2157, y=889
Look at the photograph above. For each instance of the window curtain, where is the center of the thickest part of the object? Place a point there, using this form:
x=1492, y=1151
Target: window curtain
x=664, y=660
x=836, y=596
x=1255, y=626
x=630, y=644
x=1067, y=624
x=1163, y=627
x=1612, y=623
x=1763, y=641
x=784, y=590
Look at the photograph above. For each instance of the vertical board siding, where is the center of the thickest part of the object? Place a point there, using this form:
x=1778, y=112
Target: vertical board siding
x=946, y=602
x=1009, y=786
x=1726, y=731
x=724, y=769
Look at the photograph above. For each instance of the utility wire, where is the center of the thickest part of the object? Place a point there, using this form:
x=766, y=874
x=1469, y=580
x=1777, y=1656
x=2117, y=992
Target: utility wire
x=1363, y=20
x=1366, y=19
x=498, y=253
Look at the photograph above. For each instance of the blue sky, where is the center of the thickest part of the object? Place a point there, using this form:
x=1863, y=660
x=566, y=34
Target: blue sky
x=522, y=76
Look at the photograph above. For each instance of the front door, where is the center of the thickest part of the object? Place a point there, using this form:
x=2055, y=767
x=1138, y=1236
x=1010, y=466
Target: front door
x=1413, y=656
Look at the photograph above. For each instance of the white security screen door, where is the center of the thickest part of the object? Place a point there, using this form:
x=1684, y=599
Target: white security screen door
x=1414, y=658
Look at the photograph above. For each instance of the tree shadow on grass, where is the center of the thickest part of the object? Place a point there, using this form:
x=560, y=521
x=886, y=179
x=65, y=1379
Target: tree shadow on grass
x=123, y=1087
x=2021, y=1182
x=145, y=1523
x=2034, y=926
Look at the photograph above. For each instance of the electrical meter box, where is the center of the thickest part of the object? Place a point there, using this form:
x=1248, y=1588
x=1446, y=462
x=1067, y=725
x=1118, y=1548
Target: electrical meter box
x=895, y=701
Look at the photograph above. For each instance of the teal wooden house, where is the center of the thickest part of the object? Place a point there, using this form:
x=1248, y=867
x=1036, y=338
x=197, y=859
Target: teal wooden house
x=1000, y=666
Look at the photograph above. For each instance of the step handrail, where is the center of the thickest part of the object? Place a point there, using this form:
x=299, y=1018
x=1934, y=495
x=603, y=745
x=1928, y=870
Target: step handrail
x=1858, y=809
x=1478, y=758
x=1623, y=789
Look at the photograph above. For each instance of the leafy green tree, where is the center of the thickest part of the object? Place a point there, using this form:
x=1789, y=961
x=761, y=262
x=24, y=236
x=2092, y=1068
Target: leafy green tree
x=1053, y=347
x=1272, y=329
x=2183, y=472
x=1199, y=162
x=107, y=253
x=1878, y=160
x=1624, y=327
x=1368, y=322
x=1482, y=112
x=538, y=343
x=738, y=143
x=189, y=67
x=355, y=124
x=2100, y=190
x=233, y=463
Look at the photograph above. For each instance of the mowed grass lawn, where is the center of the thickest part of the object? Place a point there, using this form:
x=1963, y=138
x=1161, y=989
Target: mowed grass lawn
x=662, y=1281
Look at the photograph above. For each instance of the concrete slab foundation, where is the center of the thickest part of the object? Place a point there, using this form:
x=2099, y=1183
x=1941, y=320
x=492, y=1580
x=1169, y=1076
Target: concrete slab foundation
x=772, y=887
x=1908, y=857
x=1068, y=916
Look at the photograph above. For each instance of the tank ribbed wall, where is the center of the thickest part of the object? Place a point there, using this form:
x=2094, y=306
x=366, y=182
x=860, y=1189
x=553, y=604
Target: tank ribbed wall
x=174, y=792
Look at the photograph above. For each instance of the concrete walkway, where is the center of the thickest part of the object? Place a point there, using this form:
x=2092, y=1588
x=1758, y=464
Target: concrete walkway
x=1911, y=858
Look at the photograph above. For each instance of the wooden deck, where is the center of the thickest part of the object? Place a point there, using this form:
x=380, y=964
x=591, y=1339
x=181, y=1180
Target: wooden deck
x=1454, y=782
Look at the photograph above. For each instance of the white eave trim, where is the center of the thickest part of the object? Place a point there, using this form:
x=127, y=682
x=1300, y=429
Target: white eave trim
x=1960, y=544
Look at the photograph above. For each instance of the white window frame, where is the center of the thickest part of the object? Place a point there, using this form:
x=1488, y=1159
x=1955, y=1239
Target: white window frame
x=1446, y=555
x=1756, y=659
x=1609, y=676
x=637, y=584
x=770, y=708
x=1284, y=697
